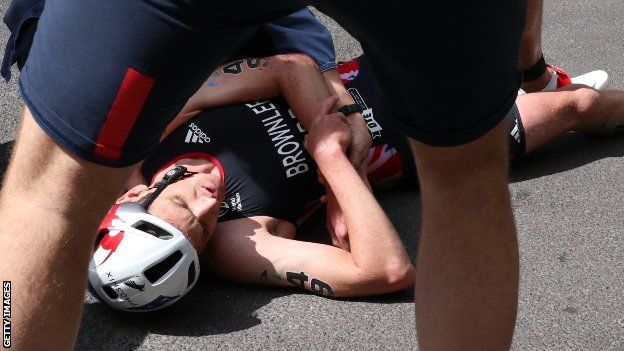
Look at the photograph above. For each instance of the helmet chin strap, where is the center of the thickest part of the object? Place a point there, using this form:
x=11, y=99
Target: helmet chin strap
x=172, y=176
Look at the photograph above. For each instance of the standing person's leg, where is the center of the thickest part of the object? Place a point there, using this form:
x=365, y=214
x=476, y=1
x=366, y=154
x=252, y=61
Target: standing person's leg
x=467, y=264
x=50, y=205
x=538, y=76
x=467, y=269
x=102, y=81
x=531, y=47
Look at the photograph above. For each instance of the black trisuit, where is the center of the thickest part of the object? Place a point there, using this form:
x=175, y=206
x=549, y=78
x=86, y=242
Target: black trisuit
x=258, y=146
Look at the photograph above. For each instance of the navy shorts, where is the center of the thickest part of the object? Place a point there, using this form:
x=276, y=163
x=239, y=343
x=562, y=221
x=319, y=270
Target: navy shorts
x=298, y=32
x=105, y=77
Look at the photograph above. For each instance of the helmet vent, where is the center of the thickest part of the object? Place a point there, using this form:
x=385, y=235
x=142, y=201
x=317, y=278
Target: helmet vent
x=110, y=292
x=191, y=274
x=152, y=229
x=154, y=273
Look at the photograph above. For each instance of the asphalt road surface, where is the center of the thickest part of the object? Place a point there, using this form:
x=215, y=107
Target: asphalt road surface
x=568, y=205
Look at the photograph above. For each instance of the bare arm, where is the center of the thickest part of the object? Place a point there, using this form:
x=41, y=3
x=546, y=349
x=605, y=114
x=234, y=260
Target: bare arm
x=361, y=143
x=365, y=220
x=361, y=138
x=253, y=251
x=295, y=76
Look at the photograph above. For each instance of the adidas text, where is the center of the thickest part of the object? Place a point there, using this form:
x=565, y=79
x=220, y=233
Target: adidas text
x=195, y=135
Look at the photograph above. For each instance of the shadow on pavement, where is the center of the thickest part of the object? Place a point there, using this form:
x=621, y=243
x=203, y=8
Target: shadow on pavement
x=218, y=307
x=212, y=307
x=568, y=152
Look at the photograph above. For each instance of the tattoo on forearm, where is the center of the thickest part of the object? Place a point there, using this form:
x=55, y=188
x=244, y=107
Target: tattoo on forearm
x=265, y=274
x=258, y=62
x=213, y=80
x=321, y=288
x=297, y=279
x=316, y=285
x=236, y=67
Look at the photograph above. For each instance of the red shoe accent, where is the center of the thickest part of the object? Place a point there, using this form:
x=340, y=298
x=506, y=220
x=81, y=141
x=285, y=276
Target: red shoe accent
x=563, y=77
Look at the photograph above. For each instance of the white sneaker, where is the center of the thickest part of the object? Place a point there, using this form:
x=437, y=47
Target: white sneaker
x=596, y=79
x=560, y=78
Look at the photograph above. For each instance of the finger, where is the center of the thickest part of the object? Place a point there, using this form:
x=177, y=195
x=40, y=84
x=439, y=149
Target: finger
x=344, y=242
x=332, y=234
x=338, y=233
x=328, y=105
x=335, y=241
x=346, y=245
x=340, y=229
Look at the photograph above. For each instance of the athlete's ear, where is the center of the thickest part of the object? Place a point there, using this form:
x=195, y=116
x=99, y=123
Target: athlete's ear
x=133, y=194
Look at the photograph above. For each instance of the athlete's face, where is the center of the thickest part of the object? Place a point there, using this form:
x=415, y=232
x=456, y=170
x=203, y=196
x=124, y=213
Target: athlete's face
x=191, y=204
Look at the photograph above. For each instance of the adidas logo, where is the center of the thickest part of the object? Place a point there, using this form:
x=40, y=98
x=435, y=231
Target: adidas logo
x=515, y=132
x=195, y=135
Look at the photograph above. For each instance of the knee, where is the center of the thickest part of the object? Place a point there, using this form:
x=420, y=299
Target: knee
x=585, y=101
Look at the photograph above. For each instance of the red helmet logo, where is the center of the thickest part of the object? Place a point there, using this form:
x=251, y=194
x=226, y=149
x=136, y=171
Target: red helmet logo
x=109, y=242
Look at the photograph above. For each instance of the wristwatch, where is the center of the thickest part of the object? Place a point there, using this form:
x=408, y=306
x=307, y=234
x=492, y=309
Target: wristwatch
x=349, y=109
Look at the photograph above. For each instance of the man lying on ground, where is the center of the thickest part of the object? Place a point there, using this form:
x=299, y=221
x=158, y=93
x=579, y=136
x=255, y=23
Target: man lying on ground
x=107, y=99
x=246, y=182
x=253, y=183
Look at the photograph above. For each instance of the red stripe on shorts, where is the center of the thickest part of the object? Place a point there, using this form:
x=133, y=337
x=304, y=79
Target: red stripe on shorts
x=122, y=116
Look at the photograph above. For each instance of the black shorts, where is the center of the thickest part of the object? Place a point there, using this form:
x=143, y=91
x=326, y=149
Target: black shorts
x=105, y=77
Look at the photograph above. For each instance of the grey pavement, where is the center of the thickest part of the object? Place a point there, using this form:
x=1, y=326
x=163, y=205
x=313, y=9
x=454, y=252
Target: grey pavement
x=569, y=211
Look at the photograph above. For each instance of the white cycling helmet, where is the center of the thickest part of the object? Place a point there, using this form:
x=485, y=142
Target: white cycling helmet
x=140, y=262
